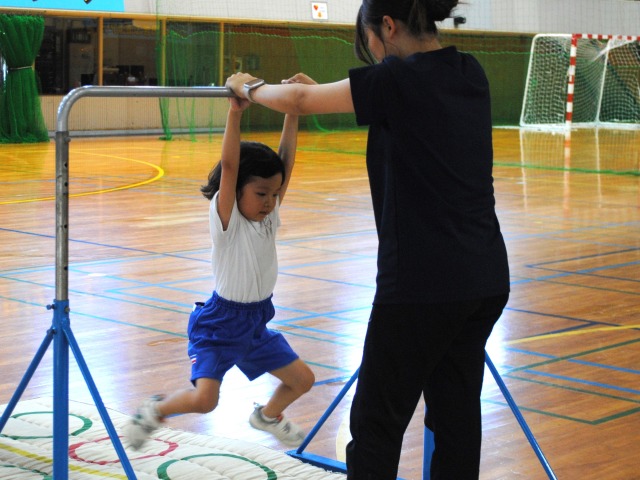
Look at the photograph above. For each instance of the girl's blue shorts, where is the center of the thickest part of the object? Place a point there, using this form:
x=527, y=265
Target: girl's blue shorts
x=223, y=333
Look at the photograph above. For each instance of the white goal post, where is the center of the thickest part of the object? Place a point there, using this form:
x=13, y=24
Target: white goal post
x=582, y=80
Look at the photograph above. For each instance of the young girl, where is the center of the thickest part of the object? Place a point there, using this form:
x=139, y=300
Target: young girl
x=443, y=276
x=246, y=189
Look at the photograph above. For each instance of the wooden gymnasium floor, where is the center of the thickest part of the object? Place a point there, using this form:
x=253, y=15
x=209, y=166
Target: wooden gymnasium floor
x=567, y=346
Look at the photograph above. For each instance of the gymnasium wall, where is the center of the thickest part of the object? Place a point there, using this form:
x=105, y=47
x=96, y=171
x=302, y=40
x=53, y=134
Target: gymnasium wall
x=552, y=16
x=522, y=16
x=497, y=32
x=504, y=56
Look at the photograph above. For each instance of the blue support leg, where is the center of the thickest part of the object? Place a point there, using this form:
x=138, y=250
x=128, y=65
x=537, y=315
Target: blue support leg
x=429, y=444
x=26, y=379
x=102, y=410
x=63, y=340
x=60, y=391
x=328, y=412
x=429, y=447
x=316, y=460
x=520, y=418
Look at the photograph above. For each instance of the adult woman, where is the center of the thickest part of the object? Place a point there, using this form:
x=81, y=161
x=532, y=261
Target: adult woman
x=443, y=276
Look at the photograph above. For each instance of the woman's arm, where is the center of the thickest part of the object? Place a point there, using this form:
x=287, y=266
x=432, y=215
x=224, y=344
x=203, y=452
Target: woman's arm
x=230, y=160
x=297, y=98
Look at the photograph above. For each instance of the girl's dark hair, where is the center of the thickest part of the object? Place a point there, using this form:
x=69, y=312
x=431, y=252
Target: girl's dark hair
x=420, y=16
x=256, y=160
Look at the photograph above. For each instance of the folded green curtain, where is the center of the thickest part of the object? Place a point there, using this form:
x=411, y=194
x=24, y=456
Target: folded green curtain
x=21, y=119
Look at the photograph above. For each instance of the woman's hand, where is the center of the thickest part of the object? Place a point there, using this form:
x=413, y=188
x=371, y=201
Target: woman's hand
x=236, y=83
x=300, y=78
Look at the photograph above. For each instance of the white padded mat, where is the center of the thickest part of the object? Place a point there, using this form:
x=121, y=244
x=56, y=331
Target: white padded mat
x=26, y=451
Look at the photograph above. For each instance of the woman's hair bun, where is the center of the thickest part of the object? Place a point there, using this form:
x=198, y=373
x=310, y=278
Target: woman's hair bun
x=438, y=10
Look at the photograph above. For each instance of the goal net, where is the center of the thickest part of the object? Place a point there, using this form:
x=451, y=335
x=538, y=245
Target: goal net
x=582, y=80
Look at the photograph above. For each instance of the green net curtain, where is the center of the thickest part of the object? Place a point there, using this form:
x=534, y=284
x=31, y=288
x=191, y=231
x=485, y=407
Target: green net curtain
x=21, y=119
x=326, y=56
x=187, y=56
x=199, y=54
x=204, y=54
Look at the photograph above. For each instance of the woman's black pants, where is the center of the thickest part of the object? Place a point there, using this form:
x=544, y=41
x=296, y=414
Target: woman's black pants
x=435, y=350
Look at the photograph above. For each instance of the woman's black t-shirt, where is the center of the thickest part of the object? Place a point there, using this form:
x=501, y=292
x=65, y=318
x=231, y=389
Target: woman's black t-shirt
x=430, y=160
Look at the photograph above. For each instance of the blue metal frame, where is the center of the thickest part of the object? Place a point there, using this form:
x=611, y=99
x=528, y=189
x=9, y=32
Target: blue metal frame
x=520, y=418
x=316, y=460
x=63, y=339
x=60, y=332
x=332, y=465
x=429, y=443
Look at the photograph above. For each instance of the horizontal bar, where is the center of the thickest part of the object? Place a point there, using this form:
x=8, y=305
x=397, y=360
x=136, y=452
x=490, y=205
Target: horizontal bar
x=139, y=91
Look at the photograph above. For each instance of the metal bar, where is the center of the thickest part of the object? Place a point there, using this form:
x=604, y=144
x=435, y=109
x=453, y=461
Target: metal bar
x=76, y=94
x=62, y=217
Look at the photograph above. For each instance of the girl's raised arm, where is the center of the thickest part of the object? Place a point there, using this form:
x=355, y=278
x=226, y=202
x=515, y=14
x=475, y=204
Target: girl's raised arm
x=287, y=149
x=230, y=160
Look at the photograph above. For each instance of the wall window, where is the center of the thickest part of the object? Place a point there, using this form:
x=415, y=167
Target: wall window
x=67, y=57
x=129, y=52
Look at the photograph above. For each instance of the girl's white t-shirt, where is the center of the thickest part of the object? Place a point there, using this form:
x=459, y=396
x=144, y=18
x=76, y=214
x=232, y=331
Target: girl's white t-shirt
x=244, y=258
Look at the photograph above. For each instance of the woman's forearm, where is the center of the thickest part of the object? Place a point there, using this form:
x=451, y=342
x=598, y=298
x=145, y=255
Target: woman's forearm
x=297, y=98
